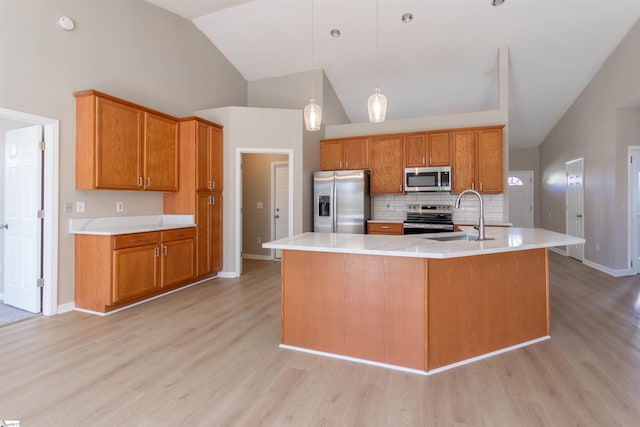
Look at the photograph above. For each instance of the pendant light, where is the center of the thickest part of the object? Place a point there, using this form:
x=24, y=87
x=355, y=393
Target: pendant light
x=312, y=112
x=377, y=104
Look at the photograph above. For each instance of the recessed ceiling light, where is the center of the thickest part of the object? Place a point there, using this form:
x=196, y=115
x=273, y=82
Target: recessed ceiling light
x=407, y=17
x=335, y=32
x=496, y=2
x=66, y=23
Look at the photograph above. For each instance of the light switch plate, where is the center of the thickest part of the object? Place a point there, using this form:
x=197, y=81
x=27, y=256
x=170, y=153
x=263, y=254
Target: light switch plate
x=119, y=207
x=80, y=207
x=259, y=205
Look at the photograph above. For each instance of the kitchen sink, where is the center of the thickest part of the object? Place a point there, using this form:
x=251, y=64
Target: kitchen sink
x=456, y=237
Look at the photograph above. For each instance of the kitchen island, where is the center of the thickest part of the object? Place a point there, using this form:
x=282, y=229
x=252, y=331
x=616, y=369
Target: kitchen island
x=412, y=302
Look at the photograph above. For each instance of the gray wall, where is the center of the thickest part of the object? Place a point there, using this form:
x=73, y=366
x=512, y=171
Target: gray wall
x=528, y=159
x=594, y=128
x=127, y=48
x=256, y=188
x=294, y=91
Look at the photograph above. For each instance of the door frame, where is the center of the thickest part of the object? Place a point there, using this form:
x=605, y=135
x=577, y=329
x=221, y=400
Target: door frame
x=566, y=203
x=274, y=166
x=632, y=245
x=50, y=195
x=238, y=206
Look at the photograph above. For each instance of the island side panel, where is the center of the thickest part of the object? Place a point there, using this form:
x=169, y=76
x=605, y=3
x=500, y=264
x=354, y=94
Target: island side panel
x=365, y=306
x=485, y=303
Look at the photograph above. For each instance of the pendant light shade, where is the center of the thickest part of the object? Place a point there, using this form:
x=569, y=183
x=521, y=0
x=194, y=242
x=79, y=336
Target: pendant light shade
x=377, y=104
x=312, y=112
x=377, y=107
x=312, y=116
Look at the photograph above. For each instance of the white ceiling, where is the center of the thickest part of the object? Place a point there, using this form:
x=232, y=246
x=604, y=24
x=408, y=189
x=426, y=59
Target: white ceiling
x=444, y=61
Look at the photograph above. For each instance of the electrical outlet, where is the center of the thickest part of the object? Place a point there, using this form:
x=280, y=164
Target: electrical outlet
x=119, y=207
x=597, y=246
x=259, y=240
x=80, y=207
x=68, y=207
x=258, y=205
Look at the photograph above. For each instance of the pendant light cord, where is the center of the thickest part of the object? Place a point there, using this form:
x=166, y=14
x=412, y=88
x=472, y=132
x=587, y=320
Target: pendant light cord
x=312, y=34
x=377, y=45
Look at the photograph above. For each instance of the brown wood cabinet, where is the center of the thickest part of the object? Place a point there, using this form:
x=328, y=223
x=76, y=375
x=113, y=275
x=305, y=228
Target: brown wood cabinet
x=112, y=271
x=348, y=153
x=200, y=191
x=392, y=228
x=387, y=171
x=427, y=149
x=477, y=160
x=124, y=146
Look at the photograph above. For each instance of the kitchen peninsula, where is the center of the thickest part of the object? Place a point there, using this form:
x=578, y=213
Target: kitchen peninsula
x=412, y=302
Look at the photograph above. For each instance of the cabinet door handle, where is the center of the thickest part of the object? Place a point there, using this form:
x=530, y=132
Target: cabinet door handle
x=423, y=161
x=473, y=185
x=179, y=234
x=340, y=164
x=213, y=200
x=213, y=185
x=209, y=185
x=138, y=240
x=385, y=227
x=139, y=181
x=430, y=161
x=165, y=249
x=346, y=164
x=148, y=182
x=480, y=186
x=157, y=251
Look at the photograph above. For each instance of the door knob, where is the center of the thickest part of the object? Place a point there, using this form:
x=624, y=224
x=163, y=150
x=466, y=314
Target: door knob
x=4, y=226
x=277, y=216
x=579, y=216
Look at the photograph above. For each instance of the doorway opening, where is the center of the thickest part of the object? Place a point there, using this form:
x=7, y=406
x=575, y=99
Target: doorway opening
x=256, y=202
x=520, y=187
x=574, y=199
x=634, y=209
x=46, y=201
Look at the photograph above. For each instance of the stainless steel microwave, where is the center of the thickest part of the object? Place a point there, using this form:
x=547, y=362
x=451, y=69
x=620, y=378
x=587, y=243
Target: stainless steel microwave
x=427, y=179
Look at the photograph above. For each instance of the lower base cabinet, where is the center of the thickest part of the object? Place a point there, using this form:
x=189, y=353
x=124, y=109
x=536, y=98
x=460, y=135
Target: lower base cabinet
x=113, y=271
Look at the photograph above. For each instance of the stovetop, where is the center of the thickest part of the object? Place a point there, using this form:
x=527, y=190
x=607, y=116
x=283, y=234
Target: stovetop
x=430, y=214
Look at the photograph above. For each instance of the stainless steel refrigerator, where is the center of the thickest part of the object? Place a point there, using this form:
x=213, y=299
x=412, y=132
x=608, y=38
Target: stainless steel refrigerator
x=341, y=201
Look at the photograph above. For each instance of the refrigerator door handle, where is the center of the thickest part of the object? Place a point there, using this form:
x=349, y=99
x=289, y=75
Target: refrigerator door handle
x=334, y=208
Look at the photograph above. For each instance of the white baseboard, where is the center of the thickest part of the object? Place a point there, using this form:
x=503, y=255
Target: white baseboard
x=228, y=274
x=260, y=257
x=1, y=297
x=609, y=271
x=66, y=307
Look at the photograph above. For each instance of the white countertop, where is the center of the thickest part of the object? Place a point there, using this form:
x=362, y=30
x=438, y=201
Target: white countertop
x=112, y=226
x=506, y=239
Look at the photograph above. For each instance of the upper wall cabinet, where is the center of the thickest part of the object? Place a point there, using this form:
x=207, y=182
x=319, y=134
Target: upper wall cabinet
x=123, y=146
x=477, y=160
x=427, y=149
x=348, y=153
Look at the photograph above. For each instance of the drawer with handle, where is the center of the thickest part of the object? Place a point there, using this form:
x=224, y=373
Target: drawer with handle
x=384, y=228
x=178, y=234
x=135, y=239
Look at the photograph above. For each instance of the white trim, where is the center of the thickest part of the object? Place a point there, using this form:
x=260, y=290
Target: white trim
x=1, y=297
x=487, y=355
x=609, y=271
x=630, y=241
x=274, y=165
x=416, y=371
x=66, y=307
x=580, y=161
x=227, y=274
x=353, y=359
x=51, y=199
x=237, y=214
x=145, y=300
x=260, y=257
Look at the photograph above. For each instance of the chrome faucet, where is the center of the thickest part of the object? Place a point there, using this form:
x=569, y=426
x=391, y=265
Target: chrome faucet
x=481, y=220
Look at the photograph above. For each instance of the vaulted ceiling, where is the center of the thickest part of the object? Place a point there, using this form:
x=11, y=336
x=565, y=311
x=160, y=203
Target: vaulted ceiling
x=444, y=61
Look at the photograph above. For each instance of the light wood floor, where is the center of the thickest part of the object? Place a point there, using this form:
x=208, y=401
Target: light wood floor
x=209, y=356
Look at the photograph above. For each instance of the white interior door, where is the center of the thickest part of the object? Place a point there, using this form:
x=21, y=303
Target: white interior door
x=520, y=186
x=575, y=205
x=280, y=203
x=634, y=200
x=21, y=225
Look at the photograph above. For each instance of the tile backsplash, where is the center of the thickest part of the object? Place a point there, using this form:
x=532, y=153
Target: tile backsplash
x=395, y=207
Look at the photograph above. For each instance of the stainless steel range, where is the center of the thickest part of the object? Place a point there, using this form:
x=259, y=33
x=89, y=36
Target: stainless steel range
x=423, y=219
